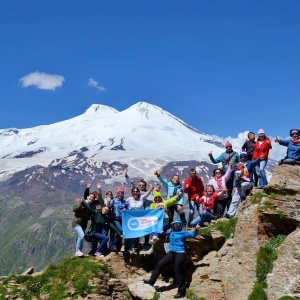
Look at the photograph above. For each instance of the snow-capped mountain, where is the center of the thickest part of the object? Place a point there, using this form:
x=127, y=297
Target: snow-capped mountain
x=144, y=136
x=142, y=132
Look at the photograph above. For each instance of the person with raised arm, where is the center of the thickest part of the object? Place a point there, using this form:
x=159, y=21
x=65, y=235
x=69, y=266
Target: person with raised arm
x=293, y=148
x=173, y=188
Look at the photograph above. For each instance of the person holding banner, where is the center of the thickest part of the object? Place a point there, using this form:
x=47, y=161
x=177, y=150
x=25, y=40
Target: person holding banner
x=135, y=202
x=176, y=256
x=159, y=203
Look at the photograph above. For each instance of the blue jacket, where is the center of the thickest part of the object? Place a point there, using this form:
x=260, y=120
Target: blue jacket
x=293, y=150
x=172, y=189
x=178, y=237
x=118, y=205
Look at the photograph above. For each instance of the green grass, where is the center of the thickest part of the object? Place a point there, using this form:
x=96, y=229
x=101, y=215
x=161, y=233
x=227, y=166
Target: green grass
x=226, y=227
x=264, y=265
x=56, y=281
x=257, y=197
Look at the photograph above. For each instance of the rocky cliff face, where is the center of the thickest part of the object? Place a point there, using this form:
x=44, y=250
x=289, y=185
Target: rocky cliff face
x=230, y=273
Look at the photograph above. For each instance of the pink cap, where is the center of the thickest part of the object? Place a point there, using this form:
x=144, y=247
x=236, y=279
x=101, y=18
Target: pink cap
x=120, y=190
x=228, y=144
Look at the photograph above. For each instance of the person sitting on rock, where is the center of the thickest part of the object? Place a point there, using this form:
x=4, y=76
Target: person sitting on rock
x=293, y=148
x=242, y=183
x=159, y=203
x=208, y=201
x=175, y=256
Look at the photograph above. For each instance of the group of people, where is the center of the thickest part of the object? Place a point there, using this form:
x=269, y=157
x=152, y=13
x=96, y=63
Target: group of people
x=229, y=185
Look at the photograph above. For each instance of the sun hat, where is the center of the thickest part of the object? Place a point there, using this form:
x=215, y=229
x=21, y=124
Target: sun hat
x=261, y=131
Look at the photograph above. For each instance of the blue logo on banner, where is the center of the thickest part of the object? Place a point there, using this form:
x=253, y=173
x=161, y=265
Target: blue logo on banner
x=138, y=223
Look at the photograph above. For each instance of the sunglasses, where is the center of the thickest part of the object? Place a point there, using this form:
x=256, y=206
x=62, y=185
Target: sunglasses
x=120, y=193
x=135, y=192
x=217, y=172
x=176, y=224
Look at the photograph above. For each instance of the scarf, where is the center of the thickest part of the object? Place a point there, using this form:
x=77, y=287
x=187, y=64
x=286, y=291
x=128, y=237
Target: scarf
x=295, y=142
x=219, y=182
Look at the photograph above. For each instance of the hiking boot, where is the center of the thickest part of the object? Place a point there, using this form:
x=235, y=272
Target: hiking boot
x=79, y=253
x=178, y=295
x=148, y=281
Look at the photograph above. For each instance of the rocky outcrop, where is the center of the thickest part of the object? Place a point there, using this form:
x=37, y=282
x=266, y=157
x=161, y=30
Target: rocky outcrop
x=230, y=273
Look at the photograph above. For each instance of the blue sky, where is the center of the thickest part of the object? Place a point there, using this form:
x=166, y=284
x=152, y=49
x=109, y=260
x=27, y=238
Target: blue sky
x=224, y=67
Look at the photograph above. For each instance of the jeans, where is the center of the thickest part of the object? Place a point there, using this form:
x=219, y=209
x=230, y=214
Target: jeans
x=260, y=170
x=80, y=237
x=241, y=192
x=205, y=216
x=102, y=239
x=192, y=206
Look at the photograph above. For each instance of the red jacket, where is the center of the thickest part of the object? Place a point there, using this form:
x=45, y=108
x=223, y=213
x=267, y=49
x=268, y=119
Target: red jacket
x=208, y=201
x=196, y=188
x=262, y=151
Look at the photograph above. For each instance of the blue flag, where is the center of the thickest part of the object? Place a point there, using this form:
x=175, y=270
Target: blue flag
x=136, y=223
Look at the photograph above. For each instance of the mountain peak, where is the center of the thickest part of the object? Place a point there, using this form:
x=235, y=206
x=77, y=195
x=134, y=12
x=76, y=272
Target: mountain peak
x=100, y=109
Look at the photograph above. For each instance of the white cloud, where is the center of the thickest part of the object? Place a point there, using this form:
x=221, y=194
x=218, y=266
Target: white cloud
x=42, y=80
x=92, y=82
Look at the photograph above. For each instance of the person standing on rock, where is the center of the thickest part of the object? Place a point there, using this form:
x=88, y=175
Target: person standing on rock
x=293, y=148
x=79, y=223
x=176, y=256
x=218, y=181
x=194, y=187
x=227, y=158
x=261, y=150
x=173, y=188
